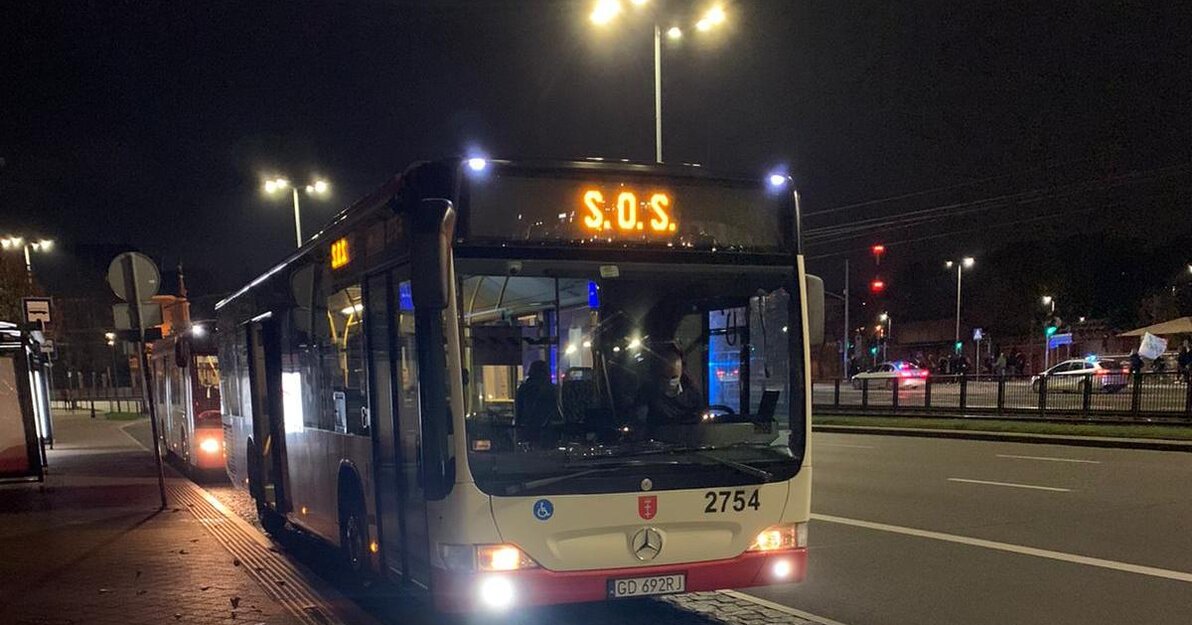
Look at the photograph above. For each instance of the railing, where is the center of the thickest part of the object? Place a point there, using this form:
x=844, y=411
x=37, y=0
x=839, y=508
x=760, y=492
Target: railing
x=1115, y=396
x=102, y=400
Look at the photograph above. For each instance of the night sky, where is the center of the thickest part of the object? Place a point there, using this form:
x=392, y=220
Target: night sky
x=153, y=124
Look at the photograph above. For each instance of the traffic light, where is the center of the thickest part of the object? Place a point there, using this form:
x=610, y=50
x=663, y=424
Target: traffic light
x=959, y=346
x=877, y=286
x=873, y=350
x=1050, y=331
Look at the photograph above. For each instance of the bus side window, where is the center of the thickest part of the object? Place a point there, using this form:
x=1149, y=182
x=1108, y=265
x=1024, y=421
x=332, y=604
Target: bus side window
x=342, y=356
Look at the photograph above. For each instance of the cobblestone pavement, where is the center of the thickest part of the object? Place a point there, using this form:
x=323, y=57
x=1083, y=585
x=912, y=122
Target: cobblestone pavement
x=91, y=546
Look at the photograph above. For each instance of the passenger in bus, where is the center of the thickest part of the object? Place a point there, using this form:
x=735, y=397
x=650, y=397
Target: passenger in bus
x=536, y=404
x=671, y=398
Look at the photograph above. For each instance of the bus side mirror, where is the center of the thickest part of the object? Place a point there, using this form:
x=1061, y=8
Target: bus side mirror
x=815, y=309
x=434, y=225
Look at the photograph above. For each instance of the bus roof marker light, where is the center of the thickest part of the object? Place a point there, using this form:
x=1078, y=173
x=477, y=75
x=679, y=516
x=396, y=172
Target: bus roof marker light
x=477, y=164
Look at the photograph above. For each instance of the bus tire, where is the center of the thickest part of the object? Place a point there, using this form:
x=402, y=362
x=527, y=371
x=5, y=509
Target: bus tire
x=353, y=532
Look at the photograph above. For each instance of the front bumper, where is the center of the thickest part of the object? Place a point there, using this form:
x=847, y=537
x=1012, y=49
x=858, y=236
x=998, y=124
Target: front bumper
x=460, y=591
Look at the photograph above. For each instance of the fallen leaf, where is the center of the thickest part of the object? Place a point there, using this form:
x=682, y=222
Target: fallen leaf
x=235, y=561
x=138, y=576
x=104, y=591
x=142, y=591
x=194, y=540
x=183, y=551
x=177, y=615
x=279, y=582
x=235, y=602
x=204, y=588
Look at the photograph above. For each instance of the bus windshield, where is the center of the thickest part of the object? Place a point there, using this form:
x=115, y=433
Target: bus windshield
x=590, y=378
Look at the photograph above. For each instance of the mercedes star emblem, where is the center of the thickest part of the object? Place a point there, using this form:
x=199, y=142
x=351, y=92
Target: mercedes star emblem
x=646, y=544
x=647, y=484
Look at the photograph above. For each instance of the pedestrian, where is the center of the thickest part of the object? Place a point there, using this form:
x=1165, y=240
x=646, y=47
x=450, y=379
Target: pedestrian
x=999, y=365
x=1019, y=363
x=943, y=365
x=1135, y=362
x=1184, y=361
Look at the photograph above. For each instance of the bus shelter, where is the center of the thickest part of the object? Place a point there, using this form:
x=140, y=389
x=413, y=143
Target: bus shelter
x=24, y=404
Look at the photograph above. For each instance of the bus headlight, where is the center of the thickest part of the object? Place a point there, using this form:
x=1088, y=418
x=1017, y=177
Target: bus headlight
x=209, y=446
x=496, y=592
x=502, y=558
x=485, y=558
x=781, y=537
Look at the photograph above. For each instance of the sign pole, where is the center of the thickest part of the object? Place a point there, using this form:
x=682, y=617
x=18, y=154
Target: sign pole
x=134, y=311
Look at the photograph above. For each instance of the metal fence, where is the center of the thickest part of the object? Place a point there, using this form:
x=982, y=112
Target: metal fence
x=1149, y=396
x=114, y=399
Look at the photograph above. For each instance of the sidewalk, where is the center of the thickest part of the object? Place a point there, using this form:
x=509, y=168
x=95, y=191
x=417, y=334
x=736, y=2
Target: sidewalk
x=91, y=546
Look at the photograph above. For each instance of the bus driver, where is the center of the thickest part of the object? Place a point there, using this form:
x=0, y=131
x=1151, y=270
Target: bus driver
x=671, y=397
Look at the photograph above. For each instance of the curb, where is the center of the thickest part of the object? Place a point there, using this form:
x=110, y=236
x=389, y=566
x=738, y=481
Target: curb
x=1010, y=437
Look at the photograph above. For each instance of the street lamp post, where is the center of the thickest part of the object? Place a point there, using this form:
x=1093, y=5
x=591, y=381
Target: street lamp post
x=965, y=263
x=19, y=243
x=606, y=10
x=317, y=187
x=1048, y=301
x=889, y=321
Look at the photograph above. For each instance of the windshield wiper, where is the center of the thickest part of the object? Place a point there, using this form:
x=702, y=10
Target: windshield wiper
x=702, y=452
x=747, y=469
x=514, y=489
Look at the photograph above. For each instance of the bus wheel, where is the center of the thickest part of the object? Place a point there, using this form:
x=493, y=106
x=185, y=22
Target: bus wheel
x=353, y=537
x=273, y=522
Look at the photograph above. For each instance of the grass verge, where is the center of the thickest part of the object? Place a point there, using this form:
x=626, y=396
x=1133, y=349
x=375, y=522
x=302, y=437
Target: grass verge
x=123, y=416
x=1171, y=432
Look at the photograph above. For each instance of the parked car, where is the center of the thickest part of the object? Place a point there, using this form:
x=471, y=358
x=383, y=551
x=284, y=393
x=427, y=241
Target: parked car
x=1071, y=376
x=887, y=374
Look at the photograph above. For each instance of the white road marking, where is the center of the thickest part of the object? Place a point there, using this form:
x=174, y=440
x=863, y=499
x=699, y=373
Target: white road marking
x=1180, y=576
x=1010, y=484
x=845, y=445
x=134, y=439
x=1048, y=459
x=822, y=620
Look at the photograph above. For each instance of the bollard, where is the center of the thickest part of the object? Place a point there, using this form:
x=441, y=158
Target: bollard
x=92, y=408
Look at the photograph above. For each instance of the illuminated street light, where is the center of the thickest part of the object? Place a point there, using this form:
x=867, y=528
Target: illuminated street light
x=316, y=187
x=13, y=243
x=605, y=11
x=964, y=263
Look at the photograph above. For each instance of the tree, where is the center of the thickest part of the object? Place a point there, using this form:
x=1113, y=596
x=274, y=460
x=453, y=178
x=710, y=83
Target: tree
x=14, y=284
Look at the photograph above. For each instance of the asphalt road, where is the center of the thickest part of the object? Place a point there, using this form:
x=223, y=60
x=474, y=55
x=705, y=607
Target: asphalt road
x=1155, y=397
x=925, y=531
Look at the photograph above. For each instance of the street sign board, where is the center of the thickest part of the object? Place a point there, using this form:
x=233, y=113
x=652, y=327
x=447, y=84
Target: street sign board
x=37, y=309
x=148, y=278
x=150, y=315
x=47, y=346
x=1059, y=339
x=978, y=334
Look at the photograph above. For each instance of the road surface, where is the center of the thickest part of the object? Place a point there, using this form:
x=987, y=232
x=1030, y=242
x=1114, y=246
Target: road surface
x=922, y=531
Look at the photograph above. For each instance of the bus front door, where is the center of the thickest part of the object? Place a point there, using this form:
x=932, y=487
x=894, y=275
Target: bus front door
x=264, y=356
x=397, y=426
x=381, y=375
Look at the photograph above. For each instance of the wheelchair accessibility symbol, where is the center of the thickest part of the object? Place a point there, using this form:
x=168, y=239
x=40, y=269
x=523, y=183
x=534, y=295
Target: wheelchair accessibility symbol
x=543, y=509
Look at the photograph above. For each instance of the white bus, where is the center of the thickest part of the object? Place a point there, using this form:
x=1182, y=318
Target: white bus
x=514, y=384
x=184, y=370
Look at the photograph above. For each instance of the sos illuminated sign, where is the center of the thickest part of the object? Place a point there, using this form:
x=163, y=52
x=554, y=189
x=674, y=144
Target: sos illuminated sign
x=627, y=211
x=339, y=254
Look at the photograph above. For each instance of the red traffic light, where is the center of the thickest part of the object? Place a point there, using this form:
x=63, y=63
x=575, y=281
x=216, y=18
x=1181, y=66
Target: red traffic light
x=877, y=286
x=878, y=249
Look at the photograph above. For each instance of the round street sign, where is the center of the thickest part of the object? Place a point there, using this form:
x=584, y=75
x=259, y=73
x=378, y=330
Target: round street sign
x=147, y=276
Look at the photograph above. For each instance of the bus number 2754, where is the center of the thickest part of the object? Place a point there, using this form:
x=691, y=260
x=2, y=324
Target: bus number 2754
x=718, y=500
